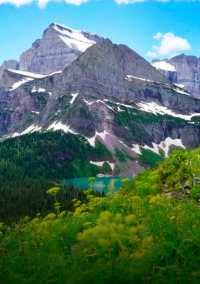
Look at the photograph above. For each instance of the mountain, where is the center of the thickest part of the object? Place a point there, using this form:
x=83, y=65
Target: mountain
x=108, y=94
x=9, y=64
x=183, y=70
x=57, y=48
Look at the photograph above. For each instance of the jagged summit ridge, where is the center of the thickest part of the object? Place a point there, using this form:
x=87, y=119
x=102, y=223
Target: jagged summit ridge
x=113, y=61
x=74, y=39
x=58, y=47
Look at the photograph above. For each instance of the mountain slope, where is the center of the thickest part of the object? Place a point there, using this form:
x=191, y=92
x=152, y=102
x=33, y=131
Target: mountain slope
x=108, y=94
x=184, y=70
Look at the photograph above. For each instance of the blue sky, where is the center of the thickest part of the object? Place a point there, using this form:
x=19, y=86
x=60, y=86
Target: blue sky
x=154, y=29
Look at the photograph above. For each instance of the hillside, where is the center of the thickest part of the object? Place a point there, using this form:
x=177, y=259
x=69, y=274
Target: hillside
x=31, y=164
x=139, y=235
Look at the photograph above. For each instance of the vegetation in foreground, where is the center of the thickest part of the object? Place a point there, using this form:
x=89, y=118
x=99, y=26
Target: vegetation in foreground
x=149, y=232
x=32, y=163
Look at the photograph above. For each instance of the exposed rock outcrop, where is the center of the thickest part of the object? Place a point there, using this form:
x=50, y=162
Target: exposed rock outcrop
x=57, y=48
x=9, y=64
x=186, y=72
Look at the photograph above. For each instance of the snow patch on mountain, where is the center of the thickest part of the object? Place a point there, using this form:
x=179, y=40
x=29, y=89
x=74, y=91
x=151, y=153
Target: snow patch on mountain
x=74, y=96
x=132, y=77
x=101, y=135
x=164, y=146
x=18, y=84
x=38, y=90
x=136, y=148
x=74, y=39
x=89, y=103
x=27, y=74
x=163, y=65
x=180, y=90
x=58, y=125
x=31, y=129
x=155, y=108
x=100, y=164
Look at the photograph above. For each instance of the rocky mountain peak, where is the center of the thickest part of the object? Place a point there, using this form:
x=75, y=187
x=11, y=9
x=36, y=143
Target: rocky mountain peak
x=75, y=39
x=184, y=70
x=110, y=64
x=58, y=47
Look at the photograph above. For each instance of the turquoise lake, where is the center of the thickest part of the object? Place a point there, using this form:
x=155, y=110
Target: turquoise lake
x=99, y=184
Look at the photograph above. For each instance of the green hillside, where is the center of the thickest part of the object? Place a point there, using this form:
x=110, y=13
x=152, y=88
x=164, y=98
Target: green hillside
x=30, y=164
x=149, y=232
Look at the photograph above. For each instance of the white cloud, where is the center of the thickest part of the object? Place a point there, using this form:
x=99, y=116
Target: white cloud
x=169, y=44
x=41, y=3
x=128, y=1
x=17, y=3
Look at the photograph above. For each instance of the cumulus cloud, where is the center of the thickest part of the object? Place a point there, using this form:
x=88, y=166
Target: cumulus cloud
x=169, y=44
x=41, y=3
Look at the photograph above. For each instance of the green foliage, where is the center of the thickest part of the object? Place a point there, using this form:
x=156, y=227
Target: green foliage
x=122, y=156
x=121, y=238
x=138, y=122
x=196, y=119
x=179, y=175
x=195, y=192
x=150, y=158
x=31, y=164
x=102, y=151
x=106, y=168
x=138, y=235
x=54, y=191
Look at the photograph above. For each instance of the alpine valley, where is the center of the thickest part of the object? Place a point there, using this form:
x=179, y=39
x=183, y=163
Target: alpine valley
x=77, y=104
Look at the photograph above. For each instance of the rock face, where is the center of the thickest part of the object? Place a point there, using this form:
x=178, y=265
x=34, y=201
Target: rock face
x=9, y=64
x=108, y=93
x=186, y=72
x=57, y=48
x=12, y=79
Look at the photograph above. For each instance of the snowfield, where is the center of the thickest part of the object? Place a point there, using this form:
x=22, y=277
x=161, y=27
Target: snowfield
x=74, y=39
x=155, y=108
